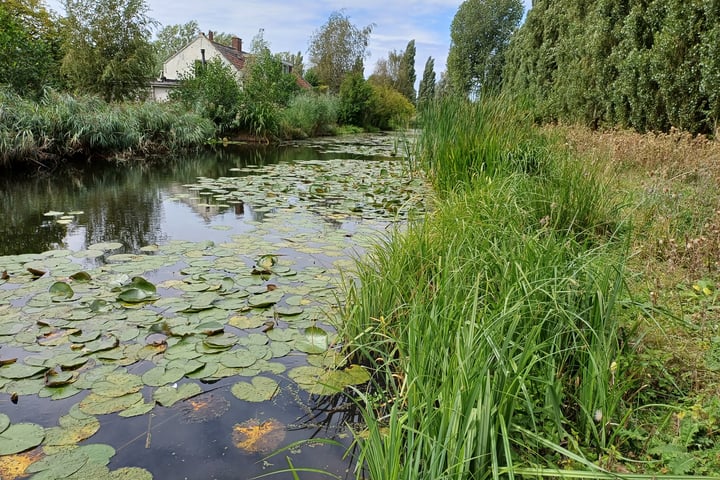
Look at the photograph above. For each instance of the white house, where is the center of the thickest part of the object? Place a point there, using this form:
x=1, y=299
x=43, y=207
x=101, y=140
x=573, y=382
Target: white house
x=204, y=49
x=201, y=49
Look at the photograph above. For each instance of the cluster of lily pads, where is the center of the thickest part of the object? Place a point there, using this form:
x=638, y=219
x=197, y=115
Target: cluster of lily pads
x=332, y=188
x=131, y=332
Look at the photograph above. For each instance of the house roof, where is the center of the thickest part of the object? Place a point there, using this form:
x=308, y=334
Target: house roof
x=302, y=83
x=235, y=57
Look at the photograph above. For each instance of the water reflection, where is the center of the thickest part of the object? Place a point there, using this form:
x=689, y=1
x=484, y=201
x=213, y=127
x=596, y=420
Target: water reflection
x=128, y=204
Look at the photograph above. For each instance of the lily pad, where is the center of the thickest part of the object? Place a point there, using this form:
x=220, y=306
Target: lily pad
x=19, y=370
x=62, y=290
x=130, y=473
x=95, y=404
x=167, y=396
x=315, y=341
x=265, y=299
x=19, y=437
x=81, y=277
x=159, y=376
x=261, y=389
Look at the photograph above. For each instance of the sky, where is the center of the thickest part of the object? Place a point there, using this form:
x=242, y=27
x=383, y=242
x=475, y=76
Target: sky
x=289, y=24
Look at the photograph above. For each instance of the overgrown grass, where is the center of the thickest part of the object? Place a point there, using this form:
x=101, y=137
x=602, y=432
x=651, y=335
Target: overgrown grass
x=62, y=126
x=310, y=114
x=524, y=329
x=494, y=327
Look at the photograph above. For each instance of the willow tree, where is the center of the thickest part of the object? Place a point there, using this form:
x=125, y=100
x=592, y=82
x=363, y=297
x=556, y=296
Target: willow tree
x=107, y=47
x=480, y=34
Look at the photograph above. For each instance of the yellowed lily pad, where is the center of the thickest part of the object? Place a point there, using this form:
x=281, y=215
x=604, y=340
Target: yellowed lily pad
x=13, y=467
x=255, y=436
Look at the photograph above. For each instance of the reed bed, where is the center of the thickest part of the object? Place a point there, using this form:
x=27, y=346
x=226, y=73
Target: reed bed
x=63, y=126
x=493, y=327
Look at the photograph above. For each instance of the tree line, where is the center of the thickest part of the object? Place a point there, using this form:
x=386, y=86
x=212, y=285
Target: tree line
x=650, y=65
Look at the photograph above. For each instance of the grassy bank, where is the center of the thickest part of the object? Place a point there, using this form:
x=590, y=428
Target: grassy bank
x=61, y=126
x=502, y=332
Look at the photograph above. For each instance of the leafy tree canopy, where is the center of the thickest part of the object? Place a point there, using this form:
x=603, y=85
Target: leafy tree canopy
x=29, y=46
x=426, y=91
x=480, y=34
x=648, y=65
x=338, y=48
x=107, y=47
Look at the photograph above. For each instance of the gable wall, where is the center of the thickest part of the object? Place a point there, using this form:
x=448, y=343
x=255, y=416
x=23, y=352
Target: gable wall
x=182, y=62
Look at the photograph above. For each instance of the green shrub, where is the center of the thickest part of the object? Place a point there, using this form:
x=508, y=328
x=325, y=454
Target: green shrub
x=356, y=96
x=310, y=114
x=389, y=109
x=212, y=91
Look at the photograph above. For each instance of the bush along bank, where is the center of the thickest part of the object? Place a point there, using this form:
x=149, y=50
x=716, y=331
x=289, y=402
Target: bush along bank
x=61, y=126
x=498, y=328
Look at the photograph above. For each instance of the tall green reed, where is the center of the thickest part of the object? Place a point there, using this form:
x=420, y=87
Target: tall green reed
x=497, y=315
x=62, y=126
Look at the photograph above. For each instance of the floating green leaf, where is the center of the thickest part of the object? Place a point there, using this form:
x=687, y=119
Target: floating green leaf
x=19, y=437
x=117, y=384
x=20, y=370
x=260, y=390
x=130, y=473
x=315, y=341
x=95, y=404
x=81, y=277
x=265, y=299
x=62, y=290
x=159, y=376
x=167, y=396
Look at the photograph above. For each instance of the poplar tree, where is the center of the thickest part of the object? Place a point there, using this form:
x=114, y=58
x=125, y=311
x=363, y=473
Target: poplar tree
x=426, y=92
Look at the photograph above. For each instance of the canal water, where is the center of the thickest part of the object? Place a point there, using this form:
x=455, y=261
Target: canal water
x=178, y=320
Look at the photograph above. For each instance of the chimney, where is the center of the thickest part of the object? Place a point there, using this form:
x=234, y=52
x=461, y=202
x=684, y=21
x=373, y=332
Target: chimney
x=237, y=43
x=210, y=35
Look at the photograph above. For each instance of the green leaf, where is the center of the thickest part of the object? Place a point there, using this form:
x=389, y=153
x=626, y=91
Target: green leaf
x=167, y=396
x=314, y=342
x=4, y=422
x=19, y=370
x=159, y=376
x=81, y=277
x=117, y=384
x=61, y=290
x=20, y=437
x=265, y=299
x=134, y=295
x=130, y=473
x=260, y=390
x=95, y=404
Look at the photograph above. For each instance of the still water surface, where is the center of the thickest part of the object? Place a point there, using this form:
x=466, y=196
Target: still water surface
x=182, y=200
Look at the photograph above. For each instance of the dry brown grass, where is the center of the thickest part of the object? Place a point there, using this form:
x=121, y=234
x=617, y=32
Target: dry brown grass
x=673, y=185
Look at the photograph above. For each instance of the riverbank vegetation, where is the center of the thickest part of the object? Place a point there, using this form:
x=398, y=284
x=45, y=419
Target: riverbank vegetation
x=519, y=329
x=62, y=126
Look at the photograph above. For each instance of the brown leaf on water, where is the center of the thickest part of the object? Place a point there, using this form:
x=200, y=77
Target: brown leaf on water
x=12, y=467
x=254, y=436
x=4, y=275
x=35, y=272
